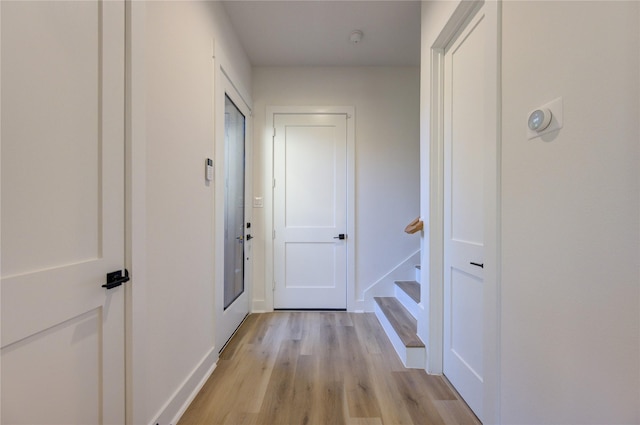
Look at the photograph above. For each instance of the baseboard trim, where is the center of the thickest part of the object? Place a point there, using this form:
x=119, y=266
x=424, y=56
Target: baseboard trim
x=358, y=306
x=259, y=306
x=175, y=407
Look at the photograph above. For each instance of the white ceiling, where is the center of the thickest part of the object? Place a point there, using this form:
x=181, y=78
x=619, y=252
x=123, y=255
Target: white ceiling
x=316, y=32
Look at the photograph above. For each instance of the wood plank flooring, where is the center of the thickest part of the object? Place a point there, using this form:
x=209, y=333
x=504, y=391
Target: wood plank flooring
x=411, y=287
x=320, y=368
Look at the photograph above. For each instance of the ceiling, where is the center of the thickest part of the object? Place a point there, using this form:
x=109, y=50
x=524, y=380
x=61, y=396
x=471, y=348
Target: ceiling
x=316, y=32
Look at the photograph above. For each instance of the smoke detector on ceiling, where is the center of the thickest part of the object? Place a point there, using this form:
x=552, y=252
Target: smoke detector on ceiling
x=356, y=36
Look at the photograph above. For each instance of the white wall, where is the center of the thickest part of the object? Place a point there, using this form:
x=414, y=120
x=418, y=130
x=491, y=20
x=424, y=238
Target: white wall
x=570, y=282
x=386, y=101
x=178, y=297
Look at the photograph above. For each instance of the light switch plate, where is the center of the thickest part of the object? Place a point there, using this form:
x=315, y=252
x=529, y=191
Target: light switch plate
x=258, y=202
x=555, y=106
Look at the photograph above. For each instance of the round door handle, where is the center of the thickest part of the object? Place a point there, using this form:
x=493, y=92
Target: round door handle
x=341, y=236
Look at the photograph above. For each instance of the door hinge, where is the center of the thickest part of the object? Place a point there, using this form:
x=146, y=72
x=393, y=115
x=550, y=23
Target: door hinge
x=274, y=286
x=273, y=234
x=274, y=132
x=273, y=186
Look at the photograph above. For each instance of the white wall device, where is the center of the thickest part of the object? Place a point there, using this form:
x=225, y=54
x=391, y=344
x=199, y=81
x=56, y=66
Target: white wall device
x=209, y=170
x=545, y=119
x=540, y=119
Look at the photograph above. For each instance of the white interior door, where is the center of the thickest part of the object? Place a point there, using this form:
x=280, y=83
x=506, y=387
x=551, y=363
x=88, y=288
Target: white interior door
x=464, y=141
x=310, y=211
x=62, y=212
x=232, y=209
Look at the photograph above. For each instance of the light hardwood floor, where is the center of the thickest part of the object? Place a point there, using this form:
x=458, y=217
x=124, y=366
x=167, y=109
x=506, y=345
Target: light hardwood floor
x=320, y=368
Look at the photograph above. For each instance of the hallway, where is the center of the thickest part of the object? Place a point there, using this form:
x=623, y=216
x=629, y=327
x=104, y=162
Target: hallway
x=320, y=368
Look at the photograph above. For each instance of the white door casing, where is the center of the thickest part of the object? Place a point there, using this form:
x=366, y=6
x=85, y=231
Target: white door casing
x=62, y=212
x=310, y=211
x=464, y=186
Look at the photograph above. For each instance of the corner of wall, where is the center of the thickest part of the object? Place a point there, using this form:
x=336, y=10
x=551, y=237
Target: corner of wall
x=259, y=306
x=180, y=400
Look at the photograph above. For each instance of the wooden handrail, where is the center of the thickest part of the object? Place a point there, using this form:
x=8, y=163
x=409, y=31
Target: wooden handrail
x=415, y=226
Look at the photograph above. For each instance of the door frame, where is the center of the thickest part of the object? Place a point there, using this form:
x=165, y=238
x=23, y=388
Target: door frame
x=135, y=214
x=463, y=13
x=271, y=111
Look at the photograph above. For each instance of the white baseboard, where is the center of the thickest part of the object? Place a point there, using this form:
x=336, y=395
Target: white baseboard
x=259, y=306
x=175, y=407
x=357, y=307
x=384, y=287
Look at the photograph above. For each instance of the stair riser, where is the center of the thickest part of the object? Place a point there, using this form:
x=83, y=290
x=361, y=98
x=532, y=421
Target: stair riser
x=407, y=302
x=411, y=357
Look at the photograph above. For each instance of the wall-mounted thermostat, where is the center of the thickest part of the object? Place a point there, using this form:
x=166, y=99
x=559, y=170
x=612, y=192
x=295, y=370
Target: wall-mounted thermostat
x=545, y=119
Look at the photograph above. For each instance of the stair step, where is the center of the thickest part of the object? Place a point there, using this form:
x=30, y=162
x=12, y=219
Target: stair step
x=411, y=287
x=405, y=326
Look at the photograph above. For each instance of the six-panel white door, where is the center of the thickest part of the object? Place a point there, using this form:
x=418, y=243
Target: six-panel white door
x=310, y=211
x=62, y=212
x=464, y=141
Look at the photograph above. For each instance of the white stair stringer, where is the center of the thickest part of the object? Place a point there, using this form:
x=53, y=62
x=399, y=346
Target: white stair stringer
x=384, y=287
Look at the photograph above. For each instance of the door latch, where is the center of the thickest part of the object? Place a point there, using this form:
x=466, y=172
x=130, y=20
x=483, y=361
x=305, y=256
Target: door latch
x=115, y=279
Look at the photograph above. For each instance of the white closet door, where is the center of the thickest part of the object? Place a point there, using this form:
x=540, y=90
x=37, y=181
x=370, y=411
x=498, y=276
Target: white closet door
x=62, y=212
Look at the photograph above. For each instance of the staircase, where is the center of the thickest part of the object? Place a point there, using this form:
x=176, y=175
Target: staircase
x=398, y=316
